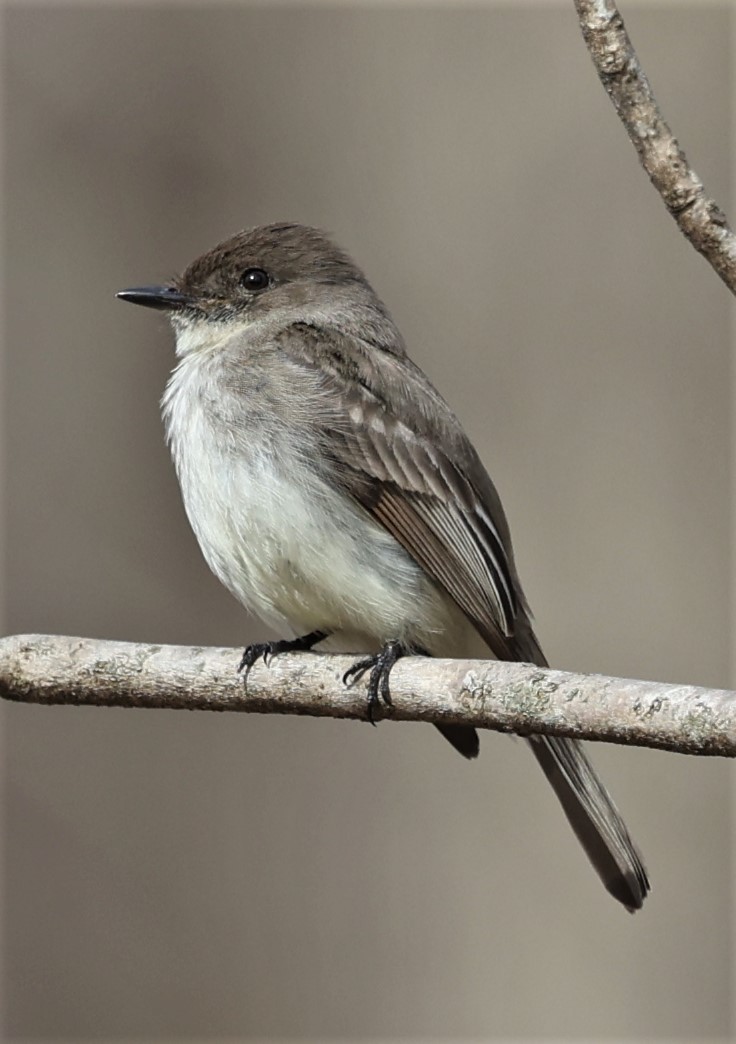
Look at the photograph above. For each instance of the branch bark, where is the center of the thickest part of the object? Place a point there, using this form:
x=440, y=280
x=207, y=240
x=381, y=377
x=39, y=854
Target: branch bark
x=505, y=697
x=682, y=191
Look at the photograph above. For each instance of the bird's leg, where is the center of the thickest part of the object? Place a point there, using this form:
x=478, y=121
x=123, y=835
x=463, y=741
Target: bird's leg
x=380, y=666
x=267, y=650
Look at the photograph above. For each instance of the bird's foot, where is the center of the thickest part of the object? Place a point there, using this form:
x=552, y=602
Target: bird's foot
x=380, y=667
x=267, y=650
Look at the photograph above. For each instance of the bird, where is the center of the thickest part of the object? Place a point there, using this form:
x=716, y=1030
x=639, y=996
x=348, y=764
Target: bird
x=335, y=494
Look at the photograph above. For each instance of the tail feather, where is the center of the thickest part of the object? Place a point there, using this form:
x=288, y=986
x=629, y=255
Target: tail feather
x=585, y=801
x=589, y=808
x=464, y=739
x=594, y=818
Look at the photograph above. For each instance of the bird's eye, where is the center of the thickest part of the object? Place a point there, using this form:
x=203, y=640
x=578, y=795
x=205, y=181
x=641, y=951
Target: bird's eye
x=254, y=279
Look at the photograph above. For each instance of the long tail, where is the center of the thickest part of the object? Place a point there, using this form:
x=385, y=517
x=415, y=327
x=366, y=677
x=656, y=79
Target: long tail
x=595, y=819
x=587, y=804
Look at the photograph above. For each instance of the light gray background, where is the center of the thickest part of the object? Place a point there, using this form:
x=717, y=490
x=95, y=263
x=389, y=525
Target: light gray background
x=173, y=876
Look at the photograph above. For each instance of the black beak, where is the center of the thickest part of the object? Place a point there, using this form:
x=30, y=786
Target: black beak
x=166, y=297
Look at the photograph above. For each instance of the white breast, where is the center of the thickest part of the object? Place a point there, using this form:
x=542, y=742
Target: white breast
x=288, y=546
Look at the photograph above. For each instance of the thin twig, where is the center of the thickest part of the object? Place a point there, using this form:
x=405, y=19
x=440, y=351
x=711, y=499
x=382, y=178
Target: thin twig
x=618, y=67
x=506, y=697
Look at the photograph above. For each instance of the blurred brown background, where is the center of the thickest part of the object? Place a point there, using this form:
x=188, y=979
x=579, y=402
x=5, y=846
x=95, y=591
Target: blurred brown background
x=171, y=876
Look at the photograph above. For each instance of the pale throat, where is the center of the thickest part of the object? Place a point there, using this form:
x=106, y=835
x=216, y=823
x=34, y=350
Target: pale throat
x=203, y=335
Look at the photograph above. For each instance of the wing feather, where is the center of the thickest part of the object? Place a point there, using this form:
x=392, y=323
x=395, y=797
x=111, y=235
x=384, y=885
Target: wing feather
x=397, y=448
x=431, y=508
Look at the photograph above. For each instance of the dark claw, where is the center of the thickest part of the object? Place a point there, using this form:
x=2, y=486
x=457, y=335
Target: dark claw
x=378, y=681
x=267, y=650
x=259, y=650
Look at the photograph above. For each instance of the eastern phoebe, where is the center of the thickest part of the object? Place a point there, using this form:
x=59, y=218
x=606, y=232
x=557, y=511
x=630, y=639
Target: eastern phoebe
x=335, y=494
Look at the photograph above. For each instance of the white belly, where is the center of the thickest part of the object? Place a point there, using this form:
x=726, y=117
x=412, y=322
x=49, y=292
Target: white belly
x=289, y=547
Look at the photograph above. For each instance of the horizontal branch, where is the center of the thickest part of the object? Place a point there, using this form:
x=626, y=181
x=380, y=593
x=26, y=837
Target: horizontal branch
x=506, y=697
x=698, y=216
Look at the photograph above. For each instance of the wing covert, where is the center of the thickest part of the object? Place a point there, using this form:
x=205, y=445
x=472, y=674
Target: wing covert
x=422, y=498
